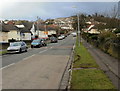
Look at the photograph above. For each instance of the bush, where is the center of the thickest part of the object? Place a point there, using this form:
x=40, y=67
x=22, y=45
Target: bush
x=106, y=41
x=117, y=31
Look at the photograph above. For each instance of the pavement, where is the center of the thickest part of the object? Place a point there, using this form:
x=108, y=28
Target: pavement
x=39, y=68
x=107, y=63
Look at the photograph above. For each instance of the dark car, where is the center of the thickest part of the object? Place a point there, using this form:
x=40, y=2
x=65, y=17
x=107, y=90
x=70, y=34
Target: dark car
x=36, y=43
x=53, y=40
x=44, y=43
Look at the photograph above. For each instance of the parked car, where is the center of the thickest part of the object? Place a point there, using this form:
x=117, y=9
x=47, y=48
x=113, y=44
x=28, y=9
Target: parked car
x=74, y=34
x=53, y=39
x=17, y=47
x=44, y=43
x=36, y=43
x=61, y=37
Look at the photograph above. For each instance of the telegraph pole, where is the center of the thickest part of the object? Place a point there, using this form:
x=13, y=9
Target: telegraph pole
x=78, y=29
x=37, y=26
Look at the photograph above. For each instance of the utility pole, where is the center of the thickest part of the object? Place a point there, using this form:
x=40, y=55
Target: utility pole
x=37, y=26
x=78, y=29
x=119, y=10
x=45, y=27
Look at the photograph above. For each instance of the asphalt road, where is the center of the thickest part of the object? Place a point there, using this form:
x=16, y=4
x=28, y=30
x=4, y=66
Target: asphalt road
x=39, y=68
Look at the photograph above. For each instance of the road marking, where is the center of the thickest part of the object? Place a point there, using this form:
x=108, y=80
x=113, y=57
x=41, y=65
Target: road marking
x=43, y=51
x=7, y=66
x=16, y=63
x=29, y=57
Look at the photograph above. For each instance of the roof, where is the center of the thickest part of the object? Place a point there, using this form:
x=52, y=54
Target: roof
x=90, y=27
x=27, y=27
x=7, y=27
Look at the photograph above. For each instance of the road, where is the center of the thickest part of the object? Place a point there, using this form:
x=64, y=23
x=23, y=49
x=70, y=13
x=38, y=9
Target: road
x=108, y=64
x=39, y=68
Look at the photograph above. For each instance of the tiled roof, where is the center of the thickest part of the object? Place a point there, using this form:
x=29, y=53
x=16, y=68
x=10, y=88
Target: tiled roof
x=27, y=27
x=7, y=27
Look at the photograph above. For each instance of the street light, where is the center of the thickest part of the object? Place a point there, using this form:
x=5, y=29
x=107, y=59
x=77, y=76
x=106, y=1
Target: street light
x=38, y=23
x=78, y=32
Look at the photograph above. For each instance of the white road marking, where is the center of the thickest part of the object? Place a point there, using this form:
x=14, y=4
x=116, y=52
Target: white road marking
x=43, y=51
x=7, y=66
x=29, y=57
x=17, y=62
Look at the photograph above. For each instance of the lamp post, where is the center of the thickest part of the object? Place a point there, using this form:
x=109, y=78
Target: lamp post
x=78, y=31
x=38, y=23
x=37, y=27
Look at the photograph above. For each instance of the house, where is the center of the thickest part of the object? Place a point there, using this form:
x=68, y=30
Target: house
x=9, y=32
x=3, y=33
x=92, y=29
x=14, y=32
x=64, y=22
x=25, y=33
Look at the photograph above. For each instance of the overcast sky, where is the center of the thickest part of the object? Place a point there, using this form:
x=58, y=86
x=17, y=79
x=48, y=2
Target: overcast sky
x=30, y=10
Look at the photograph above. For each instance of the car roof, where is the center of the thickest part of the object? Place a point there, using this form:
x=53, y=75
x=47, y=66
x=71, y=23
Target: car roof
x=17, y=42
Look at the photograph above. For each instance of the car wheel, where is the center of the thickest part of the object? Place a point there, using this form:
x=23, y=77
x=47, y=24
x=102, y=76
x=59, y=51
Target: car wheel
x=20, y=50
x=26, y=50
x=31, y=46
x=39, y=46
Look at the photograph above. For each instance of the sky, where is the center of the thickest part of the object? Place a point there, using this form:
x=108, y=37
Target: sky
x=29, y=10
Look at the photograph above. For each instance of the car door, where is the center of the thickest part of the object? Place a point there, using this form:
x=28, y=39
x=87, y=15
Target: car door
x=23, y=47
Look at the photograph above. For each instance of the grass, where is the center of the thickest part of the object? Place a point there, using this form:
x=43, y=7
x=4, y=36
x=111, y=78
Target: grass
x=86, y=60
x=3, y=52
x=88, y=78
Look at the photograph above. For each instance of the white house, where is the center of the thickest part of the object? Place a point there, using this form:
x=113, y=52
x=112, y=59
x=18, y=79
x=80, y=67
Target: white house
x=92, y=30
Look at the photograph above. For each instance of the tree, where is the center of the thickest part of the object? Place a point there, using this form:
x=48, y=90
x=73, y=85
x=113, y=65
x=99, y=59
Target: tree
x=82, y=19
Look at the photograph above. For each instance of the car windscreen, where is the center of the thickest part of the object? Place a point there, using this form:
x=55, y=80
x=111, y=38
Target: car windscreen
x=15, y=44
x=36, y=41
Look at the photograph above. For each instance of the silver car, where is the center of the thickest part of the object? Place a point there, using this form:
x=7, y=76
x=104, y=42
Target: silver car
x=17, y=47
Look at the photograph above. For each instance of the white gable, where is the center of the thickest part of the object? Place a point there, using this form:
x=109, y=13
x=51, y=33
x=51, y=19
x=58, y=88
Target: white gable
x=20, y=26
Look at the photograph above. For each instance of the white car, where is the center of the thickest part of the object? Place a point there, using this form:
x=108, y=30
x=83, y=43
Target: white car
x=17, y=47
x=74, y=34
x=61, y=37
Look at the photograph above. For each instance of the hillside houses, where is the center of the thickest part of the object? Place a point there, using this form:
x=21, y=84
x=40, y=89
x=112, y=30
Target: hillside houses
x=25, y=30
x=44, y=31
x=64, y=23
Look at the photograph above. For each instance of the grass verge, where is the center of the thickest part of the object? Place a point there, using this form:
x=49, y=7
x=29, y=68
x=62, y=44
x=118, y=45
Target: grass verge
x=3, y=52
x=90, y=76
